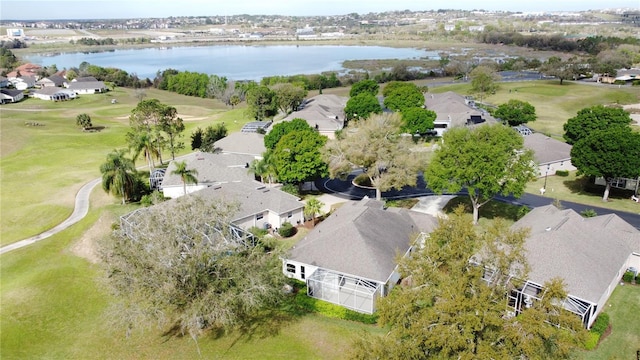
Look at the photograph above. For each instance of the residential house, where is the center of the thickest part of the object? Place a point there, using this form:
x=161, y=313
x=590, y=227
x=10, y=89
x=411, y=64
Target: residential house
x=23, y=82
x=25, y=70
x=87, y=87
x=589, y=254
x=242, y=143
x=350, y=258
x=256, y=127
x=322, y=112
x=259, y=206
x=550, y=154
x=213, y=169
x=10, y=96
x=453, y=110
x=52, y=81
x=52, y=93
x=621, y=183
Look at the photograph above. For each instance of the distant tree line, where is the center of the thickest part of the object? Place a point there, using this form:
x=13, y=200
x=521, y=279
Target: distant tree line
x=94, y=42
x=13, y=44
x=591, y=45
x=117, y=77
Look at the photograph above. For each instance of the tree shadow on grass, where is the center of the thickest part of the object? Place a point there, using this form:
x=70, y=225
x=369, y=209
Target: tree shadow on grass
x=492, y=210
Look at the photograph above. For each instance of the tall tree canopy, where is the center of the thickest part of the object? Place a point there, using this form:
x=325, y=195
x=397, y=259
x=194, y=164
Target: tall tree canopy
x=418, y=120
x=361, y=106
x=283, y=128
x=400, y=96
x=486, y=160
x=516, y=112
x=297, y=157
x=261, y=103
x=376, y=146
x=188, y=176
x=448, y=311
x=594, y=118
x=483, y=80
x=364, y=86
x=556, y=67
x=288, y=97
x=609, y=153
x=178, y=273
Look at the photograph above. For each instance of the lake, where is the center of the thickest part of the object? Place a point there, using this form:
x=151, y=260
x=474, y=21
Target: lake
x=236, y=62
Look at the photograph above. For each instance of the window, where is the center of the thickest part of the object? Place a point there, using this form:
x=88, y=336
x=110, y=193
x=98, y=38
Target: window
x=292, y=269
x=259, y=216
x=301, y=272
x=290, y=214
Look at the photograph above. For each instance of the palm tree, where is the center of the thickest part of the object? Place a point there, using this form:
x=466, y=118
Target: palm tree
x=313, y=207
x=118, y=174
x=142, y=142
x=264, y=168
x=186, y=175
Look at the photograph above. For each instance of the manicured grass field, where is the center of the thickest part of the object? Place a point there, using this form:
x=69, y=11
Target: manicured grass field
x=44, y=166
x=554, y=103
x=624, y=341
x=55, y=306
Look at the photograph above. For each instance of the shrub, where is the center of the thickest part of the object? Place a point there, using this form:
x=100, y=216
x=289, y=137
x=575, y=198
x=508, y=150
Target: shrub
x=638, y=279
x=562, y=172
x=592, y=341
x=635, y=83
x=362, y=180
x=287, y=230
x=291, y=189
x=588, y=213
x=331, y=310
x=628, y=277
x=601, y=324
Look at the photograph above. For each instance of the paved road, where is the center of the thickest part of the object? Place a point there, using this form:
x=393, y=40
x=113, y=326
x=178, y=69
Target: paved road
x=346, y=190
x=79, y=212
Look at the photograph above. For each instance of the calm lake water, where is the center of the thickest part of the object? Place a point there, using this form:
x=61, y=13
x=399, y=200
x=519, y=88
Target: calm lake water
x=236, y=62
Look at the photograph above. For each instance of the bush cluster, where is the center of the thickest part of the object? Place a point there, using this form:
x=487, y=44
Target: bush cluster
x=597, y=330
x=331, y=310
x=287, y=230
x=628, y=277
x=562, y=172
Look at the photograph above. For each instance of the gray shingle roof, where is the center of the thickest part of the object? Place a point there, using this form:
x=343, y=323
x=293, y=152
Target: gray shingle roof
x=586, y=252
x=247, y=143
x=450, y=106
x=322, y=110
x=212, y=168
x=81, y=85
x=362, y=239
x=547, y=150
x=253, y=198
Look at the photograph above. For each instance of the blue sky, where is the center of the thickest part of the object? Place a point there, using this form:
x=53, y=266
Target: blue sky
x=109, y=9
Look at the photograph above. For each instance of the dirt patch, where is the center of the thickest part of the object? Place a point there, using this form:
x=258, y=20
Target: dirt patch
x=87, y=246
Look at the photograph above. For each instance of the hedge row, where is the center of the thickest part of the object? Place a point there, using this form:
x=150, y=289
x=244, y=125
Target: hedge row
x=597, y=330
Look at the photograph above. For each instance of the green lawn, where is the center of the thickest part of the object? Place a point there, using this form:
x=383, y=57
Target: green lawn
x=554, y=103
x=55, y=306
x=44, y=166
x=623, y=308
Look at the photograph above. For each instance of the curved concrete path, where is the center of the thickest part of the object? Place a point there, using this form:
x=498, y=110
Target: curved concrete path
x=79, y=212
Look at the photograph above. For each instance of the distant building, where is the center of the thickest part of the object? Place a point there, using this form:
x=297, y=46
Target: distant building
x=15, y=33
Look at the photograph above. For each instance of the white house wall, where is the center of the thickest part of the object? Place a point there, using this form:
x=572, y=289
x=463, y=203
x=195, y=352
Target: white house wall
x=297, y=267
x=551, y=168
x=177, y=191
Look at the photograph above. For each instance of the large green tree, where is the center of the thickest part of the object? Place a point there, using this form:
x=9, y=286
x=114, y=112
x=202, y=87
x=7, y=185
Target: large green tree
x=486, y=161
x=297, y=157
x=142, y=142
x=484, y=80
x=516, y=112
x=118, y=175
x=561, y=69
x=173, y=126
x=288, y=97
x=84, y=121
x=261, y=103
x=361, y=106
x=187, y=176
x=447, y=310
x=376, y=146
x=404, y=95
x=186, y=273
x=283, y=128
x=594, y=118
x=364, y=86
x=417, y=120
x=610, y=153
